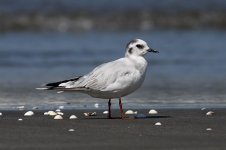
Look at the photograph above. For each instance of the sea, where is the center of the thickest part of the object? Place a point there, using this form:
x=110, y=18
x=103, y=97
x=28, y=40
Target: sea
x=189, y=71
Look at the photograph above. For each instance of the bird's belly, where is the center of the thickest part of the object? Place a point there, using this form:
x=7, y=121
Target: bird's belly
x=117, y=93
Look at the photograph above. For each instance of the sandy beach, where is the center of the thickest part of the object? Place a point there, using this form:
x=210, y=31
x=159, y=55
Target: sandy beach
x=181, y=129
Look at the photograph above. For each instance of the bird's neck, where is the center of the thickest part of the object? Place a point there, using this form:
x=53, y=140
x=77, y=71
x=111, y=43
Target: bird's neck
x=139, y=62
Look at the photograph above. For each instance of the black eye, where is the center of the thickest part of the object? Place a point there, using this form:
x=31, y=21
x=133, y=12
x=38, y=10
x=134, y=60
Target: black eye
x=140, y=46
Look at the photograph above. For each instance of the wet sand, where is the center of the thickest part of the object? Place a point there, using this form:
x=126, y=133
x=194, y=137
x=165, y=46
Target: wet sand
x=181, y=129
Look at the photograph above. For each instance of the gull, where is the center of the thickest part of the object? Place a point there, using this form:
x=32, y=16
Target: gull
x=114, y=79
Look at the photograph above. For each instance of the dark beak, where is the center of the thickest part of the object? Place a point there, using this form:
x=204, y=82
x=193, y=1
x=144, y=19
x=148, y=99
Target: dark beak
x=152, y=50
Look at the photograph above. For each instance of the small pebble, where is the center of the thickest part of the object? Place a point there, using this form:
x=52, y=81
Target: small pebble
x=29, y=113
x=90, y=114
x=96, y=105
x=73, y=117
x=129, y=112
x=46, y=113
x=20, y=119
x=203, y=108
x=60, y=92
x=58, y=117
x=153, y=112
x=52, y=113
x=71, y=130
x=58, y=110
x=0, y=114
x=209, y=113
x=209, y=129
x=158, y=123
x=105, y=112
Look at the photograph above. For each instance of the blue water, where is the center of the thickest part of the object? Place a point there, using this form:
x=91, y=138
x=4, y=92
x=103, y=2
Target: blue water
x=190, y=68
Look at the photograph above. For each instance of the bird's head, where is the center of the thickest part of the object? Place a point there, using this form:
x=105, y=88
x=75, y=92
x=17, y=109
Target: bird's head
x=138, y=47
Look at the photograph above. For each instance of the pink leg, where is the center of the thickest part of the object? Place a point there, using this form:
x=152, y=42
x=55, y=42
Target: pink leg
x=121, y=110
x=109, y=108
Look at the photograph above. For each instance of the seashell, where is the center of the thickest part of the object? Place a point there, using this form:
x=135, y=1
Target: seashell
x=209, y=129
x=46, y=113
x=71, y=130
x=73, y=117
x=90, y=114
x=29, y=113
x=60, y=92
x=58, y=110
x=96, y=105
x=61, y=107
x=60, y=113
x=153, y=112
x=158, y=123
x=209, y=113
x=0, y=114
x=58, y=117
x=105, y=112
x=129, y=112
x=52, y=113
x=203, y=108
x=34, y=107
x=20, y=107
x=20, y=119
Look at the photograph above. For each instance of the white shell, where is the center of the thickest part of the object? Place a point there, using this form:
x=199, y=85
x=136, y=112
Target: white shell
x=58, y=110
x=46, y=113
x=96, y=105
x=209, y=129
x=158, y=123
x=153, y=112
x=105, y=112
x=60, y=92
x=52, y=113
x=60, y=113
x=20, y=119
x=209, y=113
x=73, y=117
x=90, y=114
x=20, y=107
x=58, y=117
x=29, y=113
x=203, y=108
x=0, y=114
x=61, y=107
x=34, y=107
x=71, y=130
x=129, y=112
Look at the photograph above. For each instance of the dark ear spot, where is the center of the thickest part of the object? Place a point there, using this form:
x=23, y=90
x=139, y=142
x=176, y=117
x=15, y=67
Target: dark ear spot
x=130, y=50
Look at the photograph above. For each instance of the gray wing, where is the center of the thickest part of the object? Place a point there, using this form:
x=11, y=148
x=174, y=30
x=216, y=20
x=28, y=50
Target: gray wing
x=106, y=77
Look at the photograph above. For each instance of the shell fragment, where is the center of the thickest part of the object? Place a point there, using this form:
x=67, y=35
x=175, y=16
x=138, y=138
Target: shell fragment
x=130, y=112
x=209, y=113
x=153, y=112
x=73, y=117
x=105, y=112
x=90, y=114
x=58, y=117
x=20, y=119
x=158, y=123
x=29, y=113
x=52, y=113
